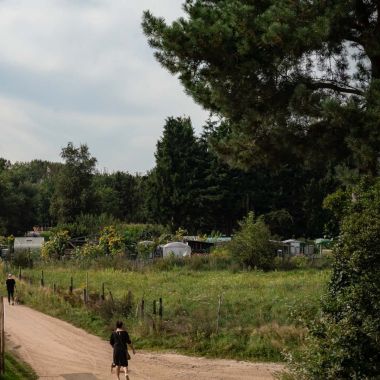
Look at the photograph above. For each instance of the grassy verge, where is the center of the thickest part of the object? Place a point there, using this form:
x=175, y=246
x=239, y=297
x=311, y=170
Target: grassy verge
x=259, y=314
x=15, y=369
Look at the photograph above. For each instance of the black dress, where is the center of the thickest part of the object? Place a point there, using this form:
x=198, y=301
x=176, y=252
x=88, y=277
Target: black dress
x=119, y=341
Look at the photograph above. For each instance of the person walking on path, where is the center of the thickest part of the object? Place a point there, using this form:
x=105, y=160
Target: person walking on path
x=119, y=341
x=11, y=284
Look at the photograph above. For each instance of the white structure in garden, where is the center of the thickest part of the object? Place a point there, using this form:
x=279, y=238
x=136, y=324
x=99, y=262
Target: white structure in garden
x=26, y=243
x=177, y=249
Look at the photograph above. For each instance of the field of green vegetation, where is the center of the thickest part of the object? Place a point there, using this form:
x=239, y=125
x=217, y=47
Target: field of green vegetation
x=16, y=370
x=260, y=312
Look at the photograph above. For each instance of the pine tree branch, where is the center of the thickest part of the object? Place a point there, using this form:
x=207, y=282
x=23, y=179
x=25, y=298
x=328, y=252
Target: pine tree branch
x=336, y=87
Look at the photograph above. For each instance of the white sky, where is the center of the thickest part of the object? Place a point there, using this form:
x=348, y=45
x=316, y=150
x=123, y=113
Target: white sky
x=82, y=71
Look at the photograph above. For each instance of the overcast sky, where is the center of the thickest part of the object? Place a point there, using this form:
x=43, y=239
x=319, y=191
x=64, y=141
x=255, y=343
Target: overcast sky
x=81, y=71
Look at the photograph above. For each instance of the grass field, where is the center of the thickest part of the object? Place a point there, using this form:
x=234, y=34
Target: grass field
x=259, y=313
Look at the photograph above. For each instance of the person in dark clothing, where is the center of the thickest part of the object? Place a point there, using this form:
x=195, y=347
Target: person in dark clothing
x=11, y=284
x=119, y=341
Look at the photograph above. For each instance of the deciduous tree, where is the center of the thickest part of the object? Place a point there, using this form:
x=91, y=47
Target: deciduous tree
x=73, y=191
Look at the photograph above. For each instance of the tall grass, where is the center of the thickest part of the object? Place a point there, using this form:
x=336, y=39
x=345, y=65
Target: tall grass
x=15, y=369
x=259, y=315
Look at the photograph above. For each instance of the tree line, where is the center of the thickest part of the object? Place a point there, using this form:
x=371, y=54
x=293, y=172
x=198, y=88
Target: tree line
x=190, y=186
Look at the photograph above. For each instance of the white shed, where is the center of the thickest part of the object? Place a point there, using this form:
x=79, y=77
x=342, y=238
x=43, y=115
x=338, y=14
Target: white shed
x=25, y=243
x=177, y=249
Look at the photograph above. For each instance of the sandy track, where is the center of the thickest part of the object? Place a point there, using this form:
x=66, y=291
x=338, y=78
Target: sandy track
x=57, y=350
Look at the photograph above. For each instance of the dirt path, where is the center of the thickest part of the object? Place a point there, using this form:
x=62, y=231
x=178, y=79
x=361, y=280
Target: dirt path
x=57, y=350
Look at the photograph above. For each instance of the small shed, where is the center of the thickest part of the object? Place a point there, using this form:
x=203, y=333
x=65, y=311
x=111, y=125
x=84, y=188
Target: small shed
x=178, y=249
x=219, y=240
x=199, y=246
x=297, y=247
x=294, y=246
x=28, y=243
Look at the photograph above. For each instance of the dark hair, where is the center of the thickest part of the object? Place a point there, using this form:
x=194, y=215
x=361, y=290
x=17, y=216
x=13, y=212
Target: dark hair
x=119, y=324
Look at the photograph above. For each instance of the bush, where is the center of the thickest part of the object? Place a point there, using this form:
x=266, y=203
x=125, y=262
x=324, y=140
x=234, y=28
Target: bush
x=111, y=242
x=145, y=249
x=89, y=251
x=344, y=342
x=111, y=308
x=56, y=246
x=24, y=258
x=251, y=245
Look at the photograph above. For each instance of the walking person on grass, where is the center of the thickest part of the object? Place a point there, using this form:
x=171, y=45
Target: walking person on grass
x=119, y=341
x=11, y=284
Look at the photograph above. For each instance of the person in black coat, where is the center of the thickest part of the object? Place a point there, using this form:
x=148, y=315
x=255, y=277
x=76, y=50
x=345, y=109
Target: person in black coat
x=11, y=284
x=119, y=340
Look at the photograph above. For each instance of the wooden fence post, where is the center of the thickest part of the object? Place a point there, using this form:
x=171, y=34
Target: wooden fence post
x=160, y=308
x=19, y=273
x=154, y=308
x=218, y=316
x=42, y=279
x=103, y=297
x=71, y=287
x=85, y=295
x=142, y=308
x=54, y=288
x=86, y=287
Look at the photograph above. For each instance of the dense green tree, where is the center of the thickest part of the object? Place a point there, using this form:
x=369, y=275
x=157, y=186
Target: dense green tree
x=251, y=244
x=224, y=195
x=290, y=80
x=120, y=195
x=176, y=181
x=344, y=341
x=73, y=191
x=24, y=195
x=290, y=196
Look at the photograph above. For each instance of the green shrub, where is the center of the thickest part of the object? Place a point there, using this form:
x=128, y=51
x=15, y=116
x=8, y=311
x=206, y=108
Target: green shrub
x=145, y=249
x=303, y=262
x=56, y=246
x=110, y=308
x=90, y=251
x=221, y=251
x=24, y=258
x=344, y=342
x=251, y=245
x=110, y=241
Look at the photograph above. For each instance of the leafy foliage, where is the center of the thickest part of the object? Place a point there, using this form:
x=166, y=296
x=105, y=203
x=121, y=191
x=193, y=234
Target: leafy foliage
x=145, y=249
x=111, y=241
x=176, y=179
x=251, y=245
x=344, y=341
x=120, y=194
x=305, y=74
x=90, y=251
x=25, y=193
x=55, y=247
x=73, y=192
